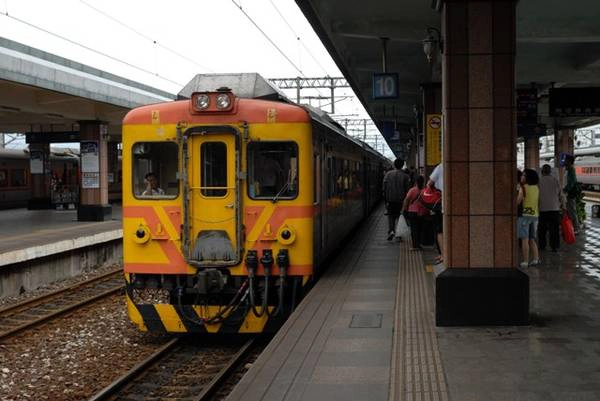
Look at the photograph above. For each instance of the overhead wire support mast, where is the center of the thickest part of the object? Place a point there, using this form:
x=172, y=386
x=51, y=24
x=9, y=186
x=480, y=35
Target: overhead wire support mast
x=299, y=83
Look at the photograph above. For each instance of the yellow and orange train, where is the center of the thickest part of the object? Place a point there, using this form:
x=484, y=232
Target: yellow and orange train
x=232, y=199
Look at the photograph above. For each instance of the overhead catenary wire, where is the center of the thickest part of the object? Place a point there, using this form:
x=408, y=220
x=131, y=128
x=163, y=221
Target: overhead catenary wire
x=268, y=37
x=143, y=35
x=22, y=21
x=298, y=37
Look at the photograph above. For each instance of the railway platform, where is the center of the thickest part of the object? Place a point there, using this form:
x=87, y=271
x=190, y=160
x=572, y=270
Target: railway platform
x=38, y=247
x=367, y=332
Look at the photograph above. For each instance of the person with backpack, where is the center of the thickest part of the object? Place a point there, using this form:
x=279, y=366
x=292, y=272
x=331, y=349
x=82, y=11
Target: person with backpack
x=415, y=211
x=396, y=184
x=572, y=191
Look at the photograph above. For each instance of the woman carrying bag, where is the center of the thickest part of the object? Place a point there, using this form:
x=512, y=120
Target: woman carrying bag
x=414, y=211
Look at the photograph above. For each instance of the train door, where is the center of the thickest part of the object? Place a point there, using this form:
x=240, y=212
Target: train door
x=214, y=199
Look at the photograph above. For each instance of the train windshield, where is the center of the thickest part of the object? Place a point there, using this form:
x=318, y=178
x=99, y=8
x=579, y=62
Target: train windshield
x=155, y=170
x=273, y=170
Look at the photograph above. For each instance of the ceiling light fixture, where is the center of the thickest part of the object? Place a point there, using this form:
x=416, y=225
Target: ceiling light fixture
x=432, y=42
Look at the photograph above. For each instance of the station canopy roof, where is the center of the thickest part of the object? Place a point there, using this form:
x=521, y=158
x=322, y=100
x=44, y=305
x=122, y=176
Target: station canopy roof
x=42, y=92
x=558, y=42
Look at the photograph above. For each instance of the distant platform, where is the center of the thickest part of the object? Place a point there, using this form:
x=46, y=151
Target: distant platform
x=31, y=234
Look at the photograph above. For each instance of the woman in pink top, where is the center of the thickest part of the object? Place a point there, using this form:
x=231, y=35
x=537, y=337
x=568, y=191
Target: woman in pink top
x=414, y=211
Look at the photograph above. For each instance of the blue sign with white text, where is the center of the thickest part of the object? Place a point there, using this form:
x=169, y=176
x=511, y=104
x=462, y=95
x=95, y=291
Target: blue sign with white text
x=385, y=86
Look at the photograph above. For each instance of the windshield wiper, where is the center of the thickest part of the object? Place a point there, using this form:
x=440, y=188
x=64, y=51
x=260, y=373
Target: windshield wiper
x=285, y=187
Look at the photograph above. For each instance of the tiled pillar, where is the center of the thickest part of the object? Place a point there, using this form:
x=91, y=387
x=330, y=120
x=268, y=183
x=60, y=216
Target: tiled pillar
x=39, y=176
x=481, y=284
x=432, y=104
x=564, y=142
x=532, y=153
x=93, y=197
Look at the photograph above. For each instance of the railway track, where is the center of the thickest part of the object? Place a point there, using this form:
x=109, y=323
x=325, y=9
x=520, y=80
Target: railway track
x=32, y=312
x=182, y=369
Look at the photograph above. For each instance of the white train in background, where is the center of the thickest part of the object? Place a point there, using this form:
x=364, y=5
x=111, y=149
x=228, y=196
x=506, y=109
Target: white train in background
x=588, y=172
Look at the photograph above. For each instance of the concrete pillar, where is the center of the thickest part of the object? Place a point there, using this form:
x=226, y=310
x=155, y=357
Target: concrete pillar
x=39, y=177
x=481, y=284
x=93, y=197
x=432, y=104
x=564, y=142
x=532, y=153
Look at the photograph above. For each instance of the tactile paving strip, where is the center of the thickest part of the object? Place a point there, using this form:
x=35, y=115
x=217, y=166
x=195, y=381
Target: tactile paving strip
x=417, y=373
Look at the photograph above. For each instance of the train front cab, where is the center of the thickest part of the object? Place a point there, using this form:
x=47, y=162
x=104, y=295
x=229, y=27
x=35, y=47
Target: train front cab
x=228, y=219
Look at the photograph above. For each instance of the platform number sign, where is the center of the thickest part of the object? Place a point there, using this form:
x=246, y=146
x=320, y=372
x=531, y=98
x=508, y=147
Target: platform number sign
x=385, y=86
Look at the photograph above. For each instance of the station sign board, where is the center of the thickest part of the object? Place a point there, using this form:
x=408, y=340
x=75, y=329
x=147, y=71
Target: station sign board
x=574, y=102
x=385, y=86
x=433, y=140
x=90, y=164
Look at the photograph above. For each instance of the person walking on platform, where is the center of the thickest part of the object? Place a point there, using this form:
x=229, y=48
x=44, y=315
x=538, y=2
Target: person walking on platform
x=415, y=211
x=436, y=181
x=529, y=196
x=572, y=190
x=395, y=186
x=550, y=207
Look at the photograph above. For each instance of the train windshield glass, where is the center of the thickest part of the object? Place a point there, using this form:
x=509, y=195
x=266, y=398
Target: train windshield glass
x=155, y=170
x=213, y=179
x=273, y=170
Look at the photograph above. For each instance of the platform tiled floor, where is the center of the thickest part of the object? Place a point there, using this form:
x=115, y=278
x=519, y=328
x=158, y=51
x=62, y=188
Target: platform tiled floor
x=22, y=228
x=338, y=344
x=557, y=357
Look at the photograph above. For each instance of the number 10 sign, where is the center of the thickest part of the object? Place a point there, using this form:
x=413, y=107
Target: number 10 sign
x=385, y=86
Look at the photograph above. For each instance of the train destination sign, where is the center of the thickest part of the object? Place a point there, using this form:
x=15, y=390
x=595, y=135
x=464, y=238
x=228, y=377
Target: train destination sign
x=574, y=102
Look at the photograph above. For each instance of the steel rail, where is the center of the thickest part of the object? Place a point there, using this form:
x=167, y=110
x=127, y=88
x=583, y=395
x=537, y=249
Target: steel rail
x=224, y=373
x=38, y=300
x=112, y=390
x=27, y=305
x=137, y=370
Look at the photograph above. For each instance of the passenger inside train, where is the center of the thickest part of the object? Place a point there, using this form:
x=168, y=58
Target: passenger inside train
x=155, y=170
x=152, y=187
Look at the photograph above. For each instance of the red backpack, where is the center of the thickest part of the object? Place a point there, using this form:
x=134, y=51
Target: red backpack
x=431, y=199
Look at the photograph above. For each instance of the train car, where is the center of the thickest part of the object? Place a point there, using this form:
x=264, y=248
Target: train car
x=233, y=198
x=587, y=169
x=15, y=188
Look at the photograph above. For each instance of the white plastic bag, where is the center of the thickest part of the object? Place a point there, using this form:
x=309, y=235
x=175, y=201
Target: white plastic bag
x=402, y=229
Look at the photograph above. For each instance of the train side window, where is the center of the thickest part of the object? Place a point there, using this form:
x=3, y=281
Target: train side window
x=316, y=179
x=330, y=178
x=3, y=178
x=272, y=170
x=17, y=178
x=155, y=170
x=213, y=172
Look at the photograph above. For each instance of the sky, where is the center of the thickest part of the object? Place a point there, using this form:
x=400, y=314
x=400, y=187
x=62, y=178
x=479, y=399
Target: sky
x=164, y=44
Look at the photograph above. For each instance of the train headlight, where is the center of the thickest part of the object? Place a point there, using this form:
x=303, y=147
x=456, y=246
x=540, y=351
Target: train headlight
x=142, y=234
x=223, y=101
x=286, y=235
x=202, y=101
